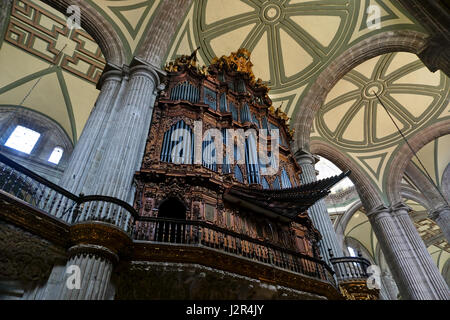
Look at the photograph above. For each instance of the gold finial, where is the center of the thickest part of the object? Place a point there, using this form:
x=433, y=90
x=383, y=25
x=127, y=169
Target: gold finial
x=188, y=62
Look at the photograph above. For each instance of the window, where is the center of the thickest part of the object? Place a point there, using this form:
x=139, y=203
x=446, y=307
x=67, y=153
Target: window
x=56, y=155
x=23, y=139
x=352, y=252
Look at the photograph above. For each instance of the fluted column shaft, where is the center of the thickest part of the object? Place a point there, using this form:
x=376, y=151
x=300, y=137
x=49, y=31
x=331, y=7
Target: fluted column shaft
x=132, y=123
x=319, y=213
x=416, y=276
x=442, y=218
x=85, y=158
x=96, y=266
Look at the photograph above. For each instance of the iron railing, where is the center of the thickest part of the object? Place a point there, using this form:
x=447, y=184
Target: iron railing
x=44, y=195
x=201, y=233
x=50, y=198
x=350, y=268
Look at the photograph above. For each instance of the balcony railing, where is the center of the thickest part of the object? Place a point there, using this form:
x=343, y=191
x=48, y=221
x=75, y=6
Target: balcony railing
x=350, y=268
x=48, y=197
x=201, y=233
x=44, y=195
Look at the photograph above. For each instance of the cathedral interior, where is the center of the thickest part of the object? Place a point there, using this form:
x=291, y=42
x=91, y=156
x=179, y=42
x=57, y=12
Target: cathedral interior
x=134, y=134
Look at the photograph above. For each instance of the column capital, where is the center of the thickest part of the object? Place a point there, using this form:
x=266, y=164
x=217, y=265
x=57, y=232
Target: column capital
x=91, y=249
x=378, y=212
x=305, y=157
x=110, y=72
x=436, y=55
x=141, y=67
x=400, y=208
x=436, y=213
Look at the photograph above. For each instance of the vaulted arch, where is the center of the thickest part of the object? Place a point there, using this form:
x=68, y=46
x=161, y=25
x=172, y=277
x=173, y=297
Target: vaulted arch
x=387, y=42
x=98, y=28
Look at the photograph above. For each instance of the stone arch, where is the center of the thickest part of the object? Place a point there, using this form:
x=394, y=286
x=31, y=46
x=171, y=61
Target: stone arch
x=367, y=191
x=345, y=219
x=446, y=182
x=51, y=135
x=98, y=28
x=404, y=155
x=387, y=42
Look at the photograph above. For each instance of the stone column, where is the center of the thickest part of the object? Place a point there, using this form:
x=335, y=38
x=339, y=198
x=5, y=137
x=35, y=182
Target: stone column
x=318, y=212
x=132, y=123
x=85, y=158
x=438, y=288
x=402, y=253
x=95, y=264
x=442, y=218
x=96, y=248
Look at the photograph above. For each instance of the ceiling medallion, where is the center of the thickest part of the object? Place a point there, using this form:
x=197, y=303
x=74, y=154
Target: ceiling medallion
x=271, y=13
x=372, y=89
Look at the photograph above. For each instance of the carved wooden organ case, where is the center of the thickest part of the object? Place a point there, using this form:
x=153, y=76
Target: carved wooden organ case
x=224, y=96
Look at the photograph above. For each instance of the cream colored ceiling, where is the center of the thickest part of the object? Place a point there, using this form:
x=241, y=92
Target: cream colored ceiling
x=354, y=121
x=435, y=156
x=63, y=91
x=291, y=40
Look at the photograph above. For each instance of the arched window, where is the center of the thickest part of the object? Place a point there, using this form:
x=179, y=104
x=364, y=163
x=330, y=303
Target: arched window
x=285, y=181
x=22, y=139
x=185, y=91
x=178, y=144
x=56, y=155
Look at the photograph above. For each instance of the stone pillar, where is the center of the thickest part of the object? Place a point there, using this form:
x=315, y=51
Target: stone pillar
x=406, y=255
x=437, y=286
x=318, y=212
x=442, y=218
x=85, y=158
x=96, y=248
x=132, y=123
x=95, y=264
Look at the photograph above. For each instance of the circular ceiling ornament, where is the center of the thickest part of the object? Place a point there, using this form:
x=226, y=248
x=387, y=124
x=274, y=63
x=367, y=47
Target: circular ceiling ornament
x=290, y=41
x=271, y=13
x=352, y=117
x=372, y=89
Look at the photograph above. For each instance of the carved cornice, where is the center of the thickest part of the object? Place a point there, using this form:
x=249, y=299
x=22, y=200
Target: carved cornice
x=103, y=235
x=400, y=209
x=90, y=249
x=227, y=262
x=379, y=212
x=358, y=290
